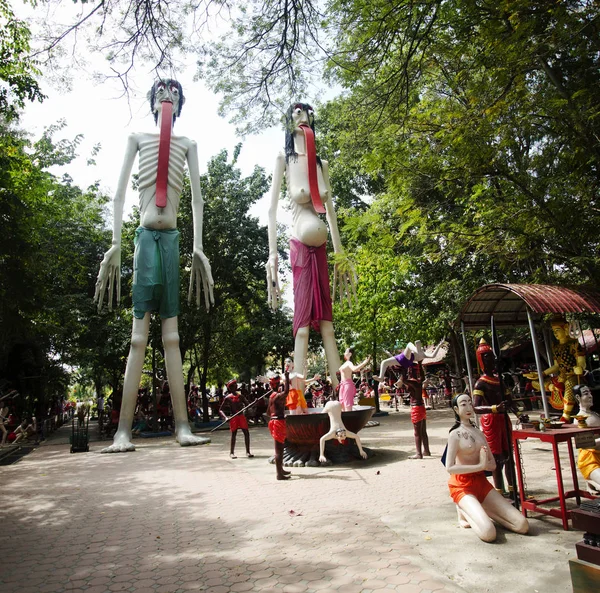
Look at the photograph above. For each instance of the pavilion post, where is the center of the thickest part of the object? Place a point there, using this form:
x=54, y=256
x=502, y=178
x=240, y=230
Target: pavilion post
x=510, y=462
x=538, y=363
x=548, y=345
x=467, y=359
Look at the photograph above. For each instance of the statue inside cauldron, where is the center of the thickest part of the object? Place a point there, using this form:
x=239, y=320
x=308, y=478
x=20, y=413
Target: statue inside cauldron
x=337, y=430
x=568, y=368
x=309, y=190
x=156, y=260
x=347, y=386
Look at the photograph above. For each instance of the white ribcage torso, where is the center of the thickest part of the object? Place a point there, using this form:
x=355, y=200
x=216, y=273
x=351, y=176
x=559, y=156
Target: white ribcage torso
x=148, y=162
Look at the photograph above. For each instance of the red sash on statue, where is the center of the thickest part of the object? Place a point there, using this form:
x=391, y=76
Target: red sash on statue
x=164, y=147
x=311, y=159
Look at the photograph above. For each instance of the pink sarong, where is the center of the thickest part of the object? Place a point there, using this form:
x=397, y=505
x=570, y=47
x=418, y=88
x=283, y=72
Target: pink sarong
x=312, y=297
x=347, y=393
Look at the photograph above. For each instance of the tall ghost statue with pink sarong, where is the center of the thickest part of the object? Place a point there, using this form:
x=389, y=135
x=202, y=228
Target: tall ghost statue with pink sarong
x=309, y=191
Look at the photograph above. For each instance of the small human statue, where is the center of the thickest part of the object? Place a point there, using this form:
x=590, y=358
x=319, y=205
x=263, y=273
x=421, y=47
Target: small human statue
x=156, y=260
x=4, y=411
x=569, y=365
x=337, y=430
x=412, y=354
x=588, y=460
x=26, y=429
x=296, y=402
x=428, y=386
x=347, y=386
x=491, y=408
x=468, y=456
x=418, y=415
x=309, y=191
x=277, y=427
x=233, y=403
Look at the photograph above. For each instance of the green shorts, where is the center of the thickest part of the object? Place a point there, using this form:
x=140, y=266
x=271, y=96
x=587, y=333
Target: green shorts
x=156, y=272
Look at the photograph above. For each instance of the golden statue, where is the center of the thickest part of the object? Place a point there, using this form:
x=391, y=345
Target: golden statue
x=568, y=367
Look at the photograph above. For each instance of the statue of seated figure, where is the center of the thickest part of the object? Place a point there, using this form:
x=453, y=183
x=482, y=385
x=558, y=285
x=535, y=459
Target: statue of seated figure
x=478, y=504
x=588, y=460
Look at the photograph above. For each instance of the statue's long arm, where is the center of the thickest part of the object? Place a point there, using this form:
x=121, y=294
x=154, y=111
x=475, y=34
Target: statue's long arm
x=330, y=211
x=197, y=200
x=109, y=276
x=273, y=291
x=201, y=273
x=326, y=437
x=275, y=192
x=344, y=280
x=119, y=201
x=356, y=438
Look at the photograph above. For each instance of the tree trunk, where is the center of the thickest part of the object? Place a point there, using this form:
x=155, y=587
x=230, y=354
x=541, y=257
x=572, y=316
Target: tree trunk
x=205, y=360
x=456, y=352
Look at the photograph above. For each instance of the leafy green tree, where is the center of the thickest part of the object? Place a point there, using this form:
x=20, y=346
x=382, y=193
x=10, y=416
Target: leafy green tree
x=51, y=242
x=18, y=72
x=472, y=129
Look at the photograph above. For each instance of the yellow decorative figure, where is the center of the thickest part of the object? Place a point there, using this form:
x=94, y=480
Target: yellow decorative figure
x=569, y=364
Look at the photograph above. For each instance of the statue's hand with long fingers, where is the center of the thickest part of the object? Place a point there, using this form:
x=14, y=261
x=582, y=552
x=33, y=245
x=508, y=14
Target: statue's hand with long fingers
x=273, y=291
x=344, y=280
x=109, y=277
x=201, y=279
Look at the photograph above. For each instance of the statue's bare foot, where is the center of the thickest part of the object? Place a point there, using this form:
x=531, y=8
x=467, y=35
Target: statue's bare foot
x=185, y=438
x=121, y=443
x=462, y=520
x=593, y=487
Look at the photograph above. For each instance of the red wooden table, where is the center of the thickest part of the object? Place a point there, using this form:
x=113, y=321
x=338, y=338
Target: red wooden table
x=554, y=437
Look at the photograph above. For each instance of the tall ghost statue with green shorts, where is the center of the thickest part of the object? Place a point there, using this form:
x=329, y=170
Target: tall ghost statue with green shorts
x=162, y=158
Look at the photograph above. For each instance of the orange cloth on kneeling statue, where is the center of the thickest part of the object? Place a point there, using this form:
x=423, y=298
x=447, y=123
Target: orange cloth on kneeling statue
x=462, y=484
x=587, y=461
x=295, y=399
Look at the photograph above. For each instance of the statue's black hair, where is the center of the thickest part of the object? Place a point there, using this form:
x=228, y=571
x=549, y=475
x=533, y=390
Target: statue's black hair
x=453, y=403
x=152, y=95
x=290, y=150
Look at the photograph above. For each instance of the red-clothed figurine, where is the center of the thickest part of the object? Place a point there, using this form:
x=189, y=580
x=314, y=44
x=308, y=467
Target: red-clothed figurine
x=418, y=415
x=233, y=403
x=491, y=408
x=277, y=428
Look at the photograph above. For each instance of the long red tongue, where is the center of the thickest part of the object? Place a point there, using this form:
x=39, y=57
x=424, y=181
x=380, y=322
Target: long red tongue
x=164, y=146
x=311, y=158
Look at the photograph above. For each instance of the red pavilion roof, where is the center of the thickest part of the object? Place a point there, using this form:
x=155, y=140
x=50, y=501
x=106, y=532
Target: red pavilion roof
x=508, y=303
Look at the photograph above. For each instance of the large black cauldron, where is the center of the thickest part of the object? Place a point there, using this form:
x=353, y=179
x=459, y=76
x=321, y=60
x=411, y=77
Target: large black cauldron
x=305, y=430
